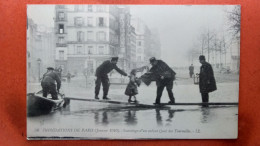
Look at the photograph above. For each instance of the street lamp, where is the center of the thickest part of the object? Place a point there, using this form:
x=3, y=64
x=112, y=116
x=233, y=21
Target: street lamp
x=39, y=67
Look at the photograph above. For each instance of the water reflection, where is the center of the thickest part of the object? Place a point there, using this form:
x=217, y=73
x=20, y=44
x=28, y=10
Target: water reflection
x=205, y=113
x=130, y=117
x=169, y=119
x=158, y=117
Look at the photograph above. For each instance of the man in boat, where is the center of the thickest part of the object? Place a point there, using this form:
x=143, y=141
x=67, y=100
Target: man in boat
x=207, y=81
x=102, y=77
x=48, y=83
x=164, y=77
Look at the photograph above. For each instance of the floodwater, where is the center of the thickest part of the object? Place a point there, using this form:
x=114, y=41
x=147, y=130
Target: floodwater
x=90, y=120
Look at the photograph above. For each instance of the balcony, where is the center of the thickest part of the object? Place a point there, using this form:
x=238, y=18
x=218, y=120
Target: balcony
x=87, y=42
x=60, y=7
x=61, y=45
x=61, y=20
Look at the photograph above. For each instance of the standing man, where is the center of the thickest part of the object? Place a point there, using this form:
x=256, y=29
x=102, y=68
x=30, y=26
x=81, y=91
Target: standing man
x=191, y=69
x=101, y=74
x=164, y=77
x=207, y=81
x=48, y=83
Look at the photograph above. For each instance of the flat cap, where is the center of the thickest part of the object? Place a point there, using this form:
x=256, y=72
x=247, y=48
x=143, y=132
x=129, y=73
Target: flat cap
x=50, y=68
x=152, y=59
x=202, y=57
x=114, y=59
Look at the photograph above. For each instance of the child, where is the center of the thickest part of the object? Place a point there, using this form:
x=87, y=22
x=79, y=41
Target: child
x=131, y=89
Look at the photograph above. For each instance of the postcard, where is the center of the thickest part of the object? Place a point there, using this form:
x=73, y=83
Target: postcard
x=132, y=71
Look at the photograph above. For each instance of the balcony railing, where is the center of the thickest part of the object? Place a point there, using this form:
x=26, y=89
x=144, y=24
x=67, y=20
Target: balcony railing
x=61, y=20
x=61, y=45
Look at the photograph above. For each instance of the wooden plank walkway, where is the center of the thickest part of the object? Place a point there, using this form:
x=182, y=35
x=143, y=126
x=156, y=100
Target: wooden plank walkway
x=147, y=105
x=210, y=103
x=119, y=102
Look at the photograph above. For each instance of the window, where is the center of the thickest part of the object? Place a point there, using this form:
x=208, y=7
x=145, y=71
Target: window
x=90, y=50
x=139, y=58
x=79, y=8
x=90, y=21
x=101, y=50
x=61, y=55
x=61, y=28
x=90, y=8
x=61, y=40
x=78, y=21
x=61, y=15
x=80, y=36
x=139, y=50
x=101, y=8
x=101, y=36
x=90, y=35
x=101, y=21
x=79, y=50
x=139, y=43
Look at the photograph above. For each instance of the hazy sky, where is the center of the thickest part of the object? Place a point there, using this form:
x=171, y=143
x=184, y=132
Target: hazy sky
x=179, y=25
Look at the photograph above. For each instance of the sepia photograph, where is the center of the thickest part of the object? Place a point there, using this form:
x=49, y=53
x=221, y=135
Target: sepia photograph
x=132, y=71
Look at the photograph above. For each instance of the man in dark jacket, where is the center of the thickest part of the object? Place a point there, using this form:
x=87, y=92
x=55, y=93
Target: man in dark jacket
x=48, y=83
x=101, y=74
x=164, y=77
x=207, y=81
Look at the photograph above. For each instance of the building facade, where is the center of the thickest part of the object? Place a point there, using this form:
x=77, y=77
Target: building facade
x=147, y=43
x=40, y=50
x=86, y=35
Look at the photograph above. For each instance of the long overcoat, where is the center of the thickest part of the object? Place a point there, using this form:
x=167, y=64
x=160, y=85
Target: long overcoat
x=207, y=82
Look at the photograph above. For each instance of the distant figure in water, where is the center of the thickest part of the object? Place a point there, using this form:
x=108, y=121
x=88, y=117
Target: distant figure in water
x=207, y=81
x=131, y=89
x=191, y=70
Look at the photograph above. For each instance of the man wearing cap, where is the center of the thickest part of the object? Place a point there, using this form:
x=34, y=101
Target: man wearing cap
x=164, y=78
x=102, y=77
x=207, y=81
x=48, y=83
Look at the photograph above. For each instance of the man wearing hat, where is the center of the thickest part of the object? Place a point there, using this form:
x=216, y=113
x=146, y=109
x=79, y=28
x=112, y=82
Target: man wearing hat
x=207, y=81
x=102, y=77
x=164, y=77
x=48, y=83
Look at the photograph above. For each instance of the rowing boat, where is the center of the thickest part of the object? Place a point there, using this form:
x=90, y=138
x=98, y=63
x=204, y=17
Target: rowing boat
x=38, y=105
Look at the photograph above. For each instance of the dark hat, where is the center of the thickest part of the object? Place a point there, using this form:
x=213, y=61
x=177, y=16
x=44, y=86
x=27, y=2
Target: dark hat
x=202, y=57
x=152, y=59
x=114, y=59
x=50, y=68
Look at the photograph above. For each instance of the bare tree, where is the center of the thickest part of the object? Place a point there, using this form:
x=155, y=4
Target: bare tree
x=234, y=18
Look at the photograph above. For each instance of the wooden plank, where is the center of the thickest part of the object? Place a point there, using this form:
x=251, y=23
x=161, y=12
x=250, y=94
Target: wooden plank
x=147, y=105
x=210, y=103
x=118, y=102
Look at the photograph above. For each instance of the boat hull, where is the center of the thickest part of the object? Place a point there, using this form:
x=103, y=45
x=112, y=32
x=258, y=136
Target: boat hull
x=38, y=105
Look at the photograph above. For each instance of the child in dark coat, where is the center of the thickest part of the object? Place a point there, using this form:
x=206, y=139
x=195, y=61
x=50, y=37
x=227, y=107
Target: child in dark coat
x=131, y=89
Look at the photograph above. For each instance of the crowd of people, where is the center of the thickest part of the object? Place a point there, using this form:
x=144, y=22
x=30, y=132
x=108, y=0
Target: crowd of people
x=160, y=72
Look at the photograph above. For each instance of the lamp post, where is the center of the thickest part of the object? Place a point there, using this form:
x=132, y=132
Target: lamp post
x=39, y=67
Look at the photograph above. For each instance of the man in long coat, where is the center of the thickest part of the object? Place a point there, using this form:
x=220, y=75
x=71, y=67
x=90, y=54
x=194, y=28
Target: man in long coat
x=48, y=83
x=164, y=77
x=101, y=74
x=207, y=81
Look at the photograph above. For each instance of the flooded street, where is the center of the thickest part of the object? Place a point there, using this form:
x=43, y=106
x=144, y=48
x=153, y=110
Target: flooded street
x=97, y=120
